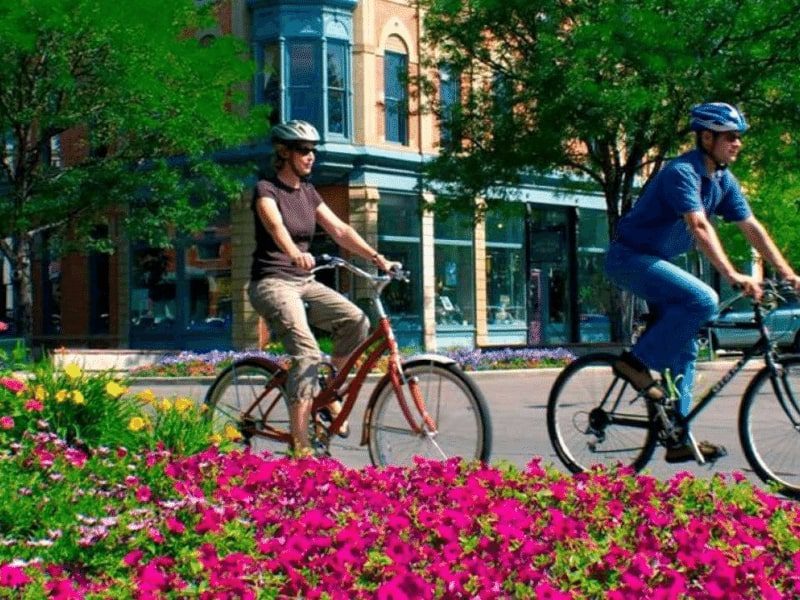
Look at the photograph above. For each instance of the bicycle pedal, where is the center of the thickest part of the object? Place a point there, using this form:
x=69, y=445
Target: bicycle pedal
x=325, y=416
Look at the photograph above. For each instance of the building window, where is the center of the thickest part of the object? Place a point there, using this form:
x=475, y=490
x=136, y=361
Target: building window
x=396, y=96
x=549, y=311
x=272, y=81
x=337, y=88
x=181, y=297
x=449, y=104
x=399, y=234
x=297, y=91
x=304, y=82
x=505, y=274
x=455, y=280
x=594, y=290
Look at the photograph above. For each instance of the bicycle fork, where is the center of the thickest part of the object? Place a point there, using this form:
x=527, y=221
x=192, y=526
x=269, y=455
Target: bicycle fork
x=428, y=426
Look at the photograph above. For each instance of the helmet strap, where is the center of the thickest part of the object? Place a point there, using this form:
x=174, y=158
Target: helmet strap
x=719, y=166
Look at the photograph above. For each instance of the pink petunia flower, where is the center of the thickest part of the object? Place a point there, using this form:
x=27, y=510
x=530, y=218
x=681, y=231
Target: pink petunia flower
x=34, y=405
x=12, y=385
x=6, y=422
x=13, y=577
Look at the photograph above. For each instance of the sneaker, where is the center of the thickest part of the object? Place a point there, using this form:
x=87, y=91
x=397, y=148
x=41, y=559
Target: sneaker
x=684, y=453
x=632, y=370
x=335, y=408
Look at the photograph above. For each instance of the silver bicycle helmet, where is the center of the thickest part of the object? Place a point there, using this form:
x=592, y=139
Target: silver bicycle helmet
x=295, y=131
x=718, y=117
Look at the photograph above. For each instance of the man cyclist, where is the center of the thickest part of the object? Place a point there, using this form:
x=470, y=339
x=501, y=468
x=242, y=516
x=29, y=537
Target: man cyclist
x=287, y=209
x=670, y=217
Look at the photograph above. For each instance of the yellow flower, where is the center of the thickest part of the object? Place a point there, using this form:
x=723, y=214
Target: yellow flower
x=40, y=393
x=165, y=404
x=114, y=389
x=215, y=439
x=183, y=404
x=72, y=371
x=61, y=396
x=137, y=424
x=231, y=433
x=77, y=397
x=147, y=396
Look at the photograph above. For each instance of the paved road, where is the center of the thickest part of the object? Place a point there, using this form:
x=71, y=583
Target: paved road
x=517, y=402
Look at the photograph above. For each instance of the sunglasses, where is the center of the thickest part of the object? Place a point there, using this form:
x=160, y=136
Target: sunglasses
x=303, y=150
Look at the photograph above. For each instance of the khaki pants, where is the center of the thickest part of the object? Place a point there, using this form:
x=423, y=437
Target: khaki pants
x=283, y=302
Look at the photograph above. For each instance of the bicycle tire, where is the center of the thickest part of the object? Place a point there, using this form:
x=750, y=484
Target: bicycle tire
x=454, y=402
x=770, y=433
x=245, y=396
x=583, y=432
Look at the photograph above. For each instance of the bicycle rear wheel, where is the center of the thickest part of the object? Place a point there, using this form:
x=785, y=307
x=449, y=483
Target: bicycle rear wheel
x=248, y=397
x=595, y=417
x=454, y=402
x=769, y=426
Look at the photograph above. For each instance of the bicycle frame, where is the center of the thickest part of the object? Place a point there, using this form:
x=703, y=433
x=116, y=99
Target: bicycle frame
x=763, y=347
x=380, y=341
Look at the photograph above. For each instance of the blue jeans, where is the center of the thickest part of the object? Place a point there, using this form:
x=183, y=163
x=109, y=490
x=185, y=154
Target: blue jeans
x=681, y=304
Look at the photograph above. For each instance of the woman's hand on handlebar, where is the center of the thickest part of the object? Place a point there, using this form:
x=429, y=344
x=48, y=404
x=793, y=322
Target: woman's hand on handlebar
x=387, y=265
x=304, y=260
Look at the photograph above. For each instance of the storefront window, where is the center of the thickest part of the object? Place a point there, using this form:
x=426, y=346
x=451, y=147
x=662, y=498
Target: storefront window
x=181, y=297
x=505, y=275
x=594, y=289
x=399, y=239
x=455, y=285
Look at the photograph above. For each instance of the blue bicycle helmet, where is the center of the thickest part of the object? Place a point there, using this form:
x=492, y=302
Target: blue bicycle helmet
x=718, y=117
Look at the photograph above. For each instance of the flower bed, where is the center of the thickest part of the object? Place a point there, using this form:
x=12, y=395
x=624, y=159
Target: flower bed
x=237, y=525
x=191, y=364
x=108, y=496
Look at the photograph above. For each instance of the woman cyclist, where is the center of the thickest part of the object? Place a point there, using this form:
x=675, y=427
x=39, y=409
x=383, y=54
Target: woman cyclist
x=287, y=209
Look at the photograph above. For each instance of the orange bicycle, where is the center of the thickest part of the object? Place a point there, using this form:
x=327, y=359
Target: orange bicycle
x=424, y=405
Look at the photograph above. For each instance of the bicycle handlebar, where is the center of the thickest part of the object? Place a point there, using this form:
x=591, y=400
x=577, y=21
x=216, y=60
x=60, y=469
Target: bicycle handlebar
x=326, y=261
x=775, y=291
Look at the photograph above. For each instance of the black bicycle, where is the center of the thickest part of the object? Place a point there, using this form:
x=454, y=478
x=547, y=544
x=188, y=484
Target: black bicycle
x=595, y=417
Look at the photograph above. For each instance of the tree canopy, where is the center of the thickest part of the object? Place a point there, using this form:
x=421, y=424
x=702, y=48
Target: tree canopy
x=139, y=99
x=601, y=91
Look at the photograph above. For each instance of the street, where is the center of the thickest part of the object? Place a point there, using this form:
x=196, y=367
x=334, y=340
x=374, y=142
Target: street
x=517, y=403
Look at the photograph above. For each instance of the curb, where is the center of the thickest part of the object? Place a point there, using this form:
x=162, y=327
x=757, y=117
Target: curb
x=704, y=366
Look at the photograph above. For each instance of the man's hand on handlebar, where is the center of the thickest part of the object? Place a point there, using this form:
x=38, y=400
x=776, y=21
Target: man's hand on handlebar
x=794, y=281
x=748, y=285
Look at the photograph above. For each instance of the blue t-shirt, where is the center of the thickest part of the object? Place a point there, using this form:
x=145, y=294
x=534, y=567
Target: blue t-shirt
x=655, y=224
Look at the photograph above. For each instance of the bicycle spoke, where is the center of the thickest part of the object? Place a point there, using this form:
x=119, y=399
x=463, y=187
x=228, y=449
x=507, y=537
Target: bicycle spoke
x=594, y=417
x=454, y=406
x=769, y=427
x=245, y=399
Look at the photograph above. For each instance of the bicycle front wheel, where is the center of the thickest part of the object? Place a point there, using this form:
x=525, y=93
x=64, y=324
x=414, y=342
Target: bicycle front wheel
x=247, y=405
x=769, y=426
x=455, y=405
x=595, y=417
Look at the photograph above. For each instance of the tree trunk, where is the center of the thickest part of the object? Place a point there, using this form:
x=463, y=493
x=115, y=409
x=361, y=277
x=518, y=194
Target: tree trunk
x=22, y=285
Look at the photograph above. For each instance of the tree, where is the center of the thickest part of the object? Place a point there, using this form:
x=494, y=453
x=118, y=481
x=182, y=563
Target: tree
x=600, y=91
x=145, y=103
